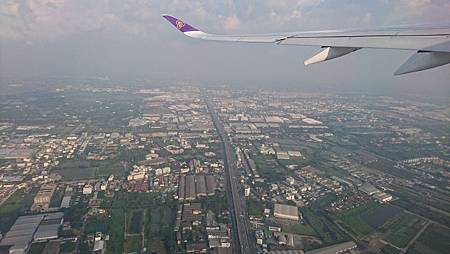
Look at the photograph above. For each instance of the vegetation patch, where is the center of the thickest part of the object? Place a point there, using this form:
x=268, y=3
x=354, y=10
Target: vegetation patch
x=116, y=232
x=67, y=247
x=352, y=221
x=255, y=207
x=86, y=169
x=16, y=204
x=133, y=244
x=377, y=215
x=403, y=230
x=134, y=222
x=324, y=228
x=97, y=224
x=434, y=240
x=299, y=229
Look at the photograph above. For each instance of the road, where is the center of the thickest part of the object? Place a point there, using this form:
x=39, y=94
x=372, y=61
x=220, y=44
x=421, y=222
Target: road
x=240, y=226
x=415, y=238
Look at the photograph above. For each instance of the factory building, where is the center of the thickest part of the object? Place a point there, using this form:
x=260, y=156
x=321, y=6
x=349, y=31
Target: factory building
x=200, y=185
x=26, y=229
x=335, y=249
x=210, y=185
x=181, y=187
x=190, y=187
x=286, y=212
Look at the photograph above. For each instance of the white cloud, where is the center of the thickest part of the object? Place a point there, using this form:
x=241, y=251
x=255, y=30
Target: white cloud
x=43, y=20
x=416, y=3
x=231, y=23
x=362, y=20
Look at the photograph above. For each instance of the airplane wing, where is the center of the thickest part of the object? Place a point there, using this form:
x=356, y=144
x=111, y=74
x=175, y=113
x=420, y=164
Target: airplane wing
x=432, y=45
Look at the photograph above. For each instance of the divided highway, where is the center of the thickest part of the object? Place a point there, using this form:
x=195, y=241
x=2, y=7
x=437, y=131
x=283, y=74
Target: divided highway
x=241, y=237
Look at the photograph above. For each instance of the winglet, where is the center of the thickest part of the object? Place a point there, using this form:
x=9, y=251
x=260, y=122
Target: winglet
x=179, y=24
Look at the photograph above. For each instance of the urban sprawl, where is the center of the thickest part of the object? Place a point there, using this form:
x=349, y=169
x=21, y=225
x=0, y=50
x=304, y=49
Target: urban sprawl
x=187, y=169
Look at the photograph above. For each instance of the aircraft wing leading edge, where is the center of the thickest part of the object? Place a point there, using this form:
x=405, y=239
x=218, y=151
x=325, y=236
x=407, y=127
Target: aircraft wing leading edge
x=432, y=45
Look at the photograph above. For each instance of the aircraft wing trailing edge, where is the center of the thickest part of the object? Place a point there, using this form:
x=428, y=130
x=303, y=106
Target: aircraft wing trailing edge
x=432, y=44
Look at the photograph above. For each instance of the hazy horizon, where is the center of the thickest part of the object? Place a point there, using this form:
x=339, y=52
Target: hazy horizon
x=128, y=40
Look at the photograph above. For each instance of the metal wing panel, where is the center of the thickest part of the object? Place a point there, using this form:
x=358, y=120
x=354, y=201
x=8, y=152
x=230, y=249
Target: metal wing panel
x=431, y=43
x=261, y=38
x=387, y=42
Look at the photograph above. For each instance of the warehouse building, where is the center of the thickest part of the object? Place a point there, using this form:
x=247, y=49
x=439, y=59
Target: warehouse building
x=41, y=227
x=20, y=235
x=181, y=187
x=65, y=203
x=190, y=187
x=210, y=185
x=369, y=189
x=335, y=249
x=286, y=212
x=201, y=185
x=49, y=227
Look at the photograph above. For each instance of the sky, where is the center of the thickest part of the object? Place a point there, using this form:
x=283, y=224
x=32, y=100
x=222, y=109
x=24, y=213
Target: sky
x=128, y=39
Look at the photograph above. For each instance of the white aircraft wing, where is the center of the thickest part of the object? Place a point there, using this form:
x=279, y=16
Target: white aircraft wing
x=432, y=44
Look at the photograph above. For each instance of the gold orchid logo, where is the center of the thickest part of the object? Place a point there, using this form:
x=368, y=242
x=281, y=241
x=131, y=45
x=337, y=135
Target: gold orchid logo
x=180, y=24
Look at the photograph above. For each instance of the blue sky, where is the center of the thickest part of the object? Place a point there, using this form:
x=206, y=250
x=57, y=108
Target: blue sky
x=128, y=39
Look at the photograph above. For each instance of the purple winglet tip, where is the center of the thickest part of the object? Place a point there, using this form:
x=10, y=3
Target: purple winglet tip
x=180, y=25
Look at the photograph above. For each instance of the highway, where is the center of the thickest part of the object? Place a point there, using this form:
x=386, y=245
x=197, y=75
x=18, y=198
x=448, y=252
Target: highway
x=240, y=226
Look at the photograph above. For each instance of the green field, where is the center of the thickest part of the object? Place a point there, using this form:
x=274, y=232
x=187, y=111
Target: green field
x=299, y=229
x=380, y=214
x=16, y=204
x=155, y=217
x=159, y=232
x=36, y=248
x=352, y=221
x=96, y=224
x=324, y=228
x=402, y=230
x=134, y=221
x=387, y=249
x=365, y=219
x=13, y=202
x=434, y=240
x=270, y=169
x=255, y=207
x=133, y=244
x=67, y=247
x=84, y=169
x=116, y=231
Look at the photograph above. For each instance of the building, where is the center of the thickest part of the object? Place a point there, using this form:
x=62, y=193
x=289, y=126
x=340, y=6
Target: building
x=49, y=227
x=43, y=197
x=247, y=191
x=335, y=249
x=190, y=188
x=87, y=189
x=181, y=187
x=286, y=252
x=369, y=189
x=65, y=203
x=383, y=197
x=40, y=227
x=286, y=212
x=20, y=235
x=210, y=185
x=200, y=185
x=282, y=155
